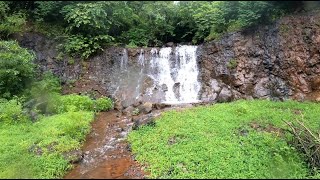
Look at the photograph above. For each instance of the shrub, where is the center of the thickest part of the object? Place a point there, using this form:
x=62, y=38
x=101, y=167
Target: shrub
x=11, y=111
x=72, y=103
x=10, y=23
x=16, y=68
x=103, y=104
x=78, y=45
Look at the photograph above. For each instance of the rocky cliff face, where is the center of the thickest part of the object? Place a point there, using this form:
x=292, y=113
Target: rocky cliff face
x=278, y=61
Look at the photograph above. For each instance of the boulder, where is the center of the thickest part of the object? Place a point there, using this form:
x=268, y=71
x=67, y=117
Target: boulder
x=160, y=105
x=225, y=95
x=136, y=104
x=128, y=110
x=145, y=107
x=164, y=87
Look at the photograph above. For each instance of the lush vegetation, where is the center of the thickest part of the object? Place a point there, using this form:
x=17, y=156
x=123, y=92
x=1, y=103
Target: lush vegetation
x=39, y=128
x=86, y=27
x=16, y=68
x=242, y=139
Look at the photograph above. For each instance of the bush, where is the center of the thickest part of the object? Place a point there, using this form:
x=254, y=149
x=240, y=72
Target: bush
x=78, y=45
x=103, y=104
x=11, y=111
x=72, y=103
x=10, y=23
x=16, y=68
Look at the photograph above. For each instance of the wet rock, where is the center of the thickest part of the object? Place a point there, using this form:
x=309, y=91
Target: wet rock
x=126, y=103
x=146, y=120
x=176, y=88
x=138, y=103
x=164, y=87
x=225, y=95
x=73, y=156
x=128, y=111
x=135, y=118
x=118, y=106
x=215, y=85
x=36, y=149
x=145, y=107
x=261, y=90
x=160, y=105
x=34, y=115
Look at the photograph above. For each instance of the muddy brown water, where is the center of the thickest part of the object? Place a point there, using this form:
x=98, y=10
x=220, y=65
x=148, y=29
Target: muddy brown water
x=106, y=154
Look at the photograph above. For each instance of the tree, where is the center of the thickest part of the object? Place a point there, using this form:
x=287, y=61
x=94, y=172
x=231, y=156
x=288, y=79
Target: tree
x=16, y=68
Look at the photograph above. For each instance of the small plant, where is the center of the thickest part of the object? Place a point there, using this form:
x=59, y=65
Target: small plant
x=136, y=112
x=60, y=56
x=131, y=45
x=71, y=61
x=232, y=64
x=11, y=111
x=103, y=104
x=71, y=82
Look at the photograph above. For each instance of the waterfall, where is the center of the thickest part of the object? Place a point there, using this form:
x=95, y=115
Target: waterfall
x=161, y=64
x=141, y=57
x=168, y=75
x=180, y=81
x=187, y=76
x=124, y=60
x=141, y=63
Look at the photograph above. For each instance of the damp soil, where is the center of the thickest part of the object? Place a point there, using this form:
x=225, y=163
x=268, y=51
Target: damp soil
x=106, y=154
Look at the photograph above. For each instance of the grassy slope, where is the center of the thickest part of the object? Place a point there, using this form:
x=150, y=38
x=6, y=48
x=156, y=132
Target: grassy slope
x=205, y=142
x=62, y=132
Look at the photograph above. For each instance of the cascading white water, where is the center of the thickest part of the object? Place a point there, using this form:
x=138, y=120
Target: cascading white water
x=141, y=57
x=124, y=60
x=168, y=75
x=141, y=63
x=187, y=74
x=182, y=77
x=161, y=63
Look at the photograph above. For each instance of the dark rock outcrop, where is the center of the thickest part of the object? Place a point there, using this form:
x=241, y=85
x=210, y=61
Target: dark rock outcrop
x=278, y=61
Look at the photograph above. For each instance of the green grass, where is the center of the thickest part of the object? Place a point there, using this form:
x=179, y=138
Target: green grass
x=54, y=135
x=205, y=142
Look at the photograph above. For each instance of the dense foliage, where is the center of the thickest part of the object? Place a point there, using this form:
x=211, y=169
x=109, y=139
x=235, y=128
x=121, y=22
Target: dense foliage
x=10, y=22
x=242, y=139
x=89, y=26
x=16, y=68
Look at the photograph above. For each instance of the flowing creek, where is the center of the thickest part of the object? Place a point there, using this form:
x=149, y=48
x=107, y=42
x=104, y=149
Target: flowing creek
x=106, y=154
